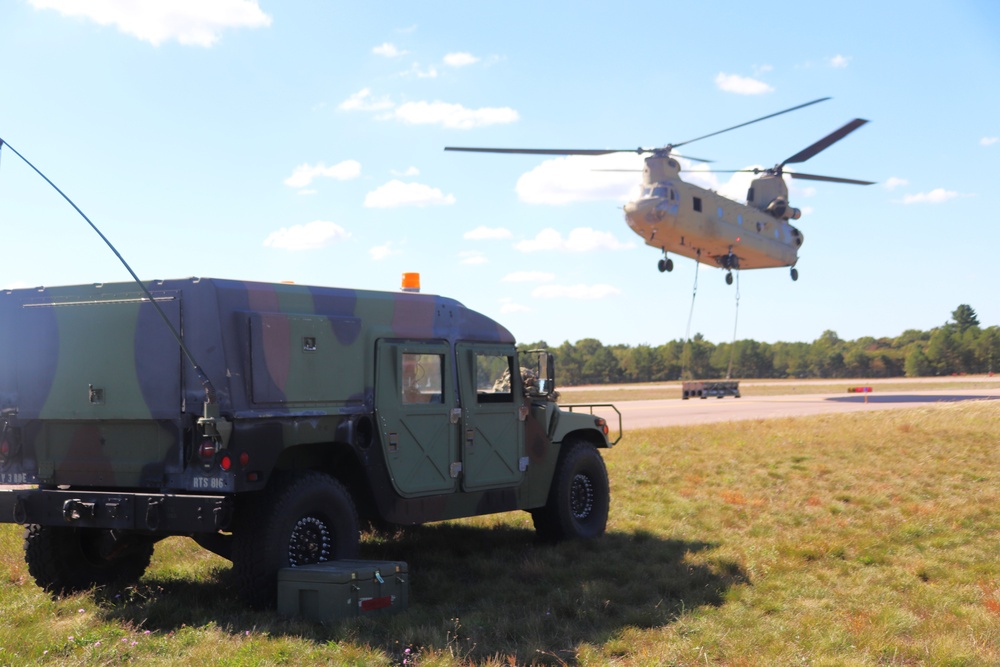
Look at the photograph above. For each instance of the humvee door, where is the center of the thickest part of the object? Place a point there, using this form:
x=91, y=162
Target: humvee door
x=414, y=398
x=492, y=424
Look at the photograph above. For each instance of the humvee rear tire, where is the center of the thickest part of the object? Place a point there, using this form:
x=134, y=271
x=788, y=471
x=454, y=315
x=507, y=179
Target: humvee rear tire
x=305, y=518
x=579, y=499
x=68, y=560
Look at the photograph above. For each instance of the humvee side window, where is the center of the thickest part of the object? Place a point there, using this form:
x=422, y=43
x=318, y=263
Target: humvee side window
x=422, y=378
x=493, y=378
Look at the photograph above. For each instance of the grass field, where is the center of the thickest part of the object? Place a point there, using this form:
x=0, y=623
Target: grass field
x=862, y=539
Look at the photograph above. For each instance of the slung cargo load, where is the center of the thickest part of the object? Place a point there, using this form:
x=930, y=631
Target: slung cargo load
x=279, y=417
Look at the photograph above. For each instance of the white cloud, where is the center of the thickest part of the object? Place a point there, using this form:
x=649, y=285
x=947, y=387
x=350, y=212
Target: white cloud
x=309, y=236
x=429, y=73
x=581, y=239
x=732, y=83
x=410, y=171
x=453, y=116
x=586, y=292
x=988, y=141
x=839, y=61
x=304, y=174
x=460, y=59
x=388, y=50
x=936, y=196
x=508, y=306
x=396, y=193
x=565, y=180
x=529, y=277
x=893, y=182
x=380, y=252
x=190, y=22
x=363, y=101
x=473, y=257
x=483, y=233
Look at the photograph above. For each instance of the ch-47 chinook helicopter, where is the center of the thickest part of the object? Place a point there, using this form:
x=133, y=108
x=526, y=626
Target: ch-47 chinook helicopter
x=681, y=218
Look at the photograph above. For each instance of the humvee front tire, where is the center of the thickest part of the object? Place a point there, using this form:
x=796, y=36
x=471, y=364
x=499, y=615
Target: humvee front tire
x=579, y=498
x=305, y=518
x=68, y=560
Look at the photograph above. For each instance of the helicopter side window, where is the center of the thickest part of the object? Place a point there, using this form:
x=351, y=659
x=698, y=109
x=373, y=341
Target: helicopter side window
x=673, y=195
x=720, y=211
x=697, y=204
x=750, y=195
x=660, y=192
x=739, y=219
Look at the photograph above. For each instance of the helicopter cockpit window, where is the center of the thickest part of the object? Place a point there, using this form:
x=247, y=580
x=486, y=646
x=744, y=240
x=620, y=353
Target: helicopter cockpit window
x=660, y=191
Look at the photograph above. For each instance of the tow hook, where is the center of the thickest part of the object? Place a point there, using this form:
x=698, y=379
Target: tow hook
x=75, y=509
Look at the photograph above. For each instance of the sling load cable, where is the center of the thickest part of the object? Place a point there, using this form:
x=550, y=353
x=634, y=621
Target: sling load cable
x=206, y=383
x=694, y=293
x=736, y=319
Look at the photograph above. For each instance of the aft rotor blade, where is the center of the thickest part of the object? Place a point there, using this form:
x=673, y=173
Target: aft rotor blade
x=751, y=122
x=549, y=151
x=793, y=174
x=825, y=142
x=831, y=179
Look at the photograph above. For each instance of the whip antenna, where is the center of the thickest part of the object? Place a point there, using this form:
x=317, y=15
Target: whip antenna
x=205, y=382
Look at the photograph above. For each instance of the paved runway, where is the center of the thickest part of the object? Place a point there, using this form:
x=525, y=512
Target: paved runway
x=673, y=412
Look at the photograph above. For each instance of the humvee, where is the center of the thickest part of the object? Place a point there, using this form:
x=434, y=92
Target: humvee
x=270, y=422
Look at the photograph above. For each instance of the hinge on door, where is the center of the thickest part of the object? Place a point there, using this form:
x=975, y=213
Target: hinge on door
x=456, y=415
x=455, y=468
x=522, y=413
x=522, y=463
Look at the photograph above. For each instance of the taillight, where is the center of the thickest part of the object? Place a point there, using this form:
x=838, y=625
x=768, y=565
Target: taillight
x=207, y=449
x=8, y=443
x=602, y=424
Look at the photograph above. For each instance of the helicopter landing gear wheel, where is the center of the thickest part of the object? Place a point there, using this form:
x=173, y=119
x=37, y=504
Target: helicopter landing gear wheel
x=795, y=274
x=665, y=265
x=729, y=279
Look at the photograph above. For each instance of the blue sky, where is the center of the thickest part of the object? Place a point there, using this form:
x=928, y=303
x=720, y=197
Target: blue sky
x=303, y=141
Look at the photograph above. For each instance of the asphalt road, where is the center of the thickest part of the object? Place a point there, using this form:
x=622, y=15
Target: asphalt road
x=674, y=412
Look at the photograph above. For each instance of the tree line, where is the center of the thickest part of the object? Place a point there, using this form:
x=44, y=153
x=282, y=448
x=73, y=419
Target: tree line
x=961, y=345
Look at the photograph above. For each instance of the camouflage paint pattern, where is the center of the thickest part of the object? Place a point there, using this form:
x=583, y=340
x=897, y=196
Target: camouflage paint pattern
x=95, y=393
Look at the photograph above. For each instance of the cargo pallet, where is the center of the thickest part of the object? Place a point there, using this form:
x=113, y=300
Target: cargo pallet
x=718, y=389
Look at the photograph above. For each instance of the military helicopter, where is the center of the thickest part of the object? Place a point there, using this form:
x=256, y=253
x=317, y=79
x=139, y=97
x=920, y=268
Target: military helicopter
x=681, y=218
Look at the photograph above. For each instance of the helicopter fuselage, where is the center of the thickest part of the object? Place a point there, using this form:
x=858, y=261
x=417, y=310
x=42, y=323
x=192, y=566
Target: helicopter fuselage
x=678, y=217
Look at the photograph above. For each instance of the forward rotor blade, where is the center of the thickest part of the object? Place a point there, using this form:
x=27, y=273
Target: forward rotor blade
x=751, y=122
x=549, y=151
x=831, y=179
x=825, y=142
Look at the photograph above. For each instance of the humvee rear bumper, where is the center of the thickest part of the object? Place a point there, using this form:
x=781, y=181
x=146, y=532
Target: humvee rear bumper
x=154, y=512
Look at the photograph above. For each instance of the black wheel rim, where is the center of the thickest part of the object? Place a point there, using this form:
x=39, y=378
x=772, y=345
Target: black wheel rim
x=309, y=542
x=581, y=496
